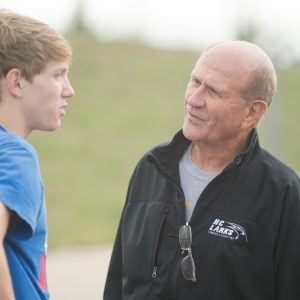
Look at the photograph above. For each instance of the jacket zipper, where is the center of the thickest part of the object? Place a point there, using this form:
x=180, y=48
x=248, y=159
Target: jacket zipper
x=172, y=181
x=157, y=245
x=182, y=217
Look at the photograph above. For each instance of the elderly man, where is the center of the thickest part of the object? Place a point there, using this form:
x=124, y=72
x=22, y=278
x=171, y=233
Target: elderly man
x=211, y=215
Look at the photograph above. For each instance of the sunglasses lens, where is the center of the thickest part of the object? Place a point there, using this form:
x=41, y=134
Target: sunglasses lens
x=188, y=268
x=185, y=237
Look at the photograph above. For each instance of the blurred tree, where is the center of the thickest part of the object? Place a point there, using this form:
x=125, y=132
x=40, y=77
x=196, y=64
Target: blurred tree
x=78, y=23
x=275, y=42
x=281, y=51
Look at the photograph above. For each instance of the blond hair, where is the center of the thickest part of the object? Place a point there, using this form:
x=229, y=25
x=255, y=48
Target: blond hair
x=29, y=45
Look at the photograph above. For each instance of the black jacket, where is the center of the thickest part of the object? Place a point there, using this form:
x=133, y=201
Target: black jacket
x=245, y=226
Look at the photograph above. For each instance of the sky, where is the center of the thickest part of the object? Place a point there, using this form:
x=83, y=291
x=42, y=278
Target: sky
x=176, y=23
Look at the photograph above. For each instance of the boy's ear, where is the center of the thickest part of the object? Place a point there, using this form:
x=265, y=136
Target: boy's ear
x=14, y=82
x=256, y=110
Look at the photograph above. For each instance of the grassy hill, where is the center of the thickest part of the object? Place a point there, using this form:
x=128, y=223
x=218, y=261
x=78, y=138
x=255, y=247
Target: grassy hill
x=129, y=97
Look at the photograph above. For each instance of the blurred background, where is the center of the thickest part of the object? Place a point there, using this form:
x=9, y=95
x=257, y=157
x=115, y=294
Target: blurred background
x=132, y=61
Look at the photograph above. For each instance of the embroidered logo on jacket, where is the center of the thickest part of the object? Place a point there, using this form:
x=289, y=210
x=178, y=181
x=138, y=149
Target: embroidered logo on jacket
x=227, y=230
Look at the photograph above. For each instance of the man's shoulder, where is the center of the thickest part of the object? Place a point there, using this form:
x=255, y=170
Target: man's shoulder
x=160, y=146
x=155, y=151
x=12, y=145
x=148, y=157
x=277, y=167
x=17, y=154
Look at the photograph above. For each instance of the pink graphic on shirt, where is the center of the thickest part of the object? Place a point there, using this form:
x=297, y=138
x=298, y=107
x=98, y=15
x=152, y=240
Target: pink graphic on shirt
x=43, y=279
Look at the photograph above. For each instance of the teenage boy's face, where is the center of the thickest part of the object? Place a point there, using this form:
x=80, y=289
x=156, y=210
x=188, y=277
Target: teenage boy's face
x=45, y=98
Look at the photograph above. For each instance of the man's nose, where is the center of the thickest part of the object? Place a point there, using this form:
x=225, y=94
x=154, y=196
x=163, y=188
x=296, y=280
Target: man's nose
x=68, y=91
x=196, y=97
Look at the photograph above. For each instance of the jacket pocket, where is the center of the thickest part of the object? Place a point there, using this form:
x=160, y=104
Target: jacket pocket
x=158, y=245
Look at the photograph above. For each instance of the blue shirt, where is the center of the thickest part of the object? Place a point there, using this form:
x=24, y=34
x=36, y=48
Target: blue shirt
x=22, y=192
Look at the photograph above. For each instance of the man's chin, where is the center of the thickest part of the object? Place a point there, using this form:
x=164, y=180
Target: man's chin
x=190, y=133
x=50, y=128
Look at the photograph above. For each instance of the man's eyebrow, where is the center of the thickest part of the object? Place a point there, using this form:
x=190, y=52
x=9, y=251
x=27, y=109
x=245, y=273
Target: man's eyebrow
x=214, y=89
x=62, y=69
x=210, y=86
x=195, y=77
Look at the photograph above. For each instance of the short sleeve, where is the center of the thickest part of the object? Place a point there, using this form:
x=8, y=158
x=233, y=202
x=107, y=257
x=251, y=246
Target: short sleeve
x=20, y=187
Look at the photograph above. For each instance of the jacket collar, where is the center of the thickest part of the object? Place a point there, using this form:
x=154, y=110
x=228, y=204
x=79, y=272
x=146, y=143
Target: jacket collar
x=167, y=156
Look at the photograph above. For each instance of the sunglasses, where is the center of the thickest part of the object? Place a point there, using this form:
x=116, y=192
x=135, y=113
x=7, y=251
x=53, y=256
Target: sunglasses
x=187, y=263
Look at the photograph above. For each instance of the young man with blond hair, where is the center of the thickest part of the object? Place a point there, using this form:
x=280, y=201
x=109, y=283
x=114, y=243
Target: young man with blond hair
x=34, y=89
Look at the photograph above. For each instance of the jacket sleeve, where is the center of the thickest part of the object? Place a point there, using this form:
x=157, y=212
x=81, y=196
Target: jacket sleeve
x=287, y=258
x=113, y=284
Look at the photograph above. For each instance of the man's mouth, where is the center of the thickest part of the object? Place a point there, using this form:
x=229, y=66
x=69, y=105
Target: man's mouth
x=62, y=110
x=193, y=116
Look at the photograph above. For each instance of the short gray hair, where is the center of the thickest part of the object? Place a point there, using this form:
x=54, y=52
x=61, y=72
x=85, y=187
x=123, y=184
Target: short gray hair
x=262, y=84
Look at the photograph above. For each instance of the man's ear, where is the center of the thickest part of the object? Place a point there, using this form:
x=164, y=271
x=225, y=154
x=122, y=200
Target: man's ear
x=14, y=82
x=256, y=110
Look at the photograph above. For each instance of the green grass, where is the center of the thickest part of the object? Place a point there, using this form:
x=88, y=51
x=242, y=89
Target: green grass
x=291, y=112
x=129, y=97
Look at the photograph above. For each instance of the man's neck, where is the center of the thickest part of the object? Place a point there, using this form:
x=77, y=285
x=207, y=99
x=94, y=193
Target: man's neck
x=214, y=158
x=12, y=122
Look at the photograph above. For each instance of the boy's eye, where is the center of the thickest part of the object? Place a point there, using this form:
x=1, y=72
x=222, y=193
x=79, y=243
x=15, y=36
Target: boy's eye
x=57, y=74
x=60, y=73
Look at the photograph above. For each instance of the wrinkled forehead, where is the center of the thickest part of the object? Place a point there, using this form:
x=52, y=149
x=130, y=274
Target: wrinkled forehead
x=228, y=61
x=226, y=69
x=241, y=56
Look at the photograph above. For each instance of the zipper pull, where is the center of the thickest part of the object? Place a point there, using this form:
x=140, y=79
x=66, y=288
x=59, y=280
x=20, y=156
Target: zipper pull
x=154, y=272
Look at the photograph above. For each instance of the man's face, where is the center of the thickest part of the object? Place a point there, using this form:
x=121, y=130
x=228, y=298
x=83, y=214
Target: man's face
x=214, y=108
x=45, y=98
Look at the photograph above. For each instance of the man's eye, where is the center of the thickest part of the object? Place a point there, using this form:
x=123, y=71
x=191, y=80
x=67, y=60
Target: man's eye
x=59, y=74
x=213, y=92
x=195, y=81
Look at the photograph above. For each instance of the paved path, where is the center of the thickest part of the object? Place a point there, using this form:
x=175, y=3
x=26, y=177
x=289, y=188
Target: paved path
x=77, y=274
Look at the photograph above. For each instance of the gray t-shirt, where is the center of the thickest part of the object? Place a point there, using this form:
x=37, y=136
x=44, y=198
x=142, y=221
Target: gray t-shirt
x=193, y=181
